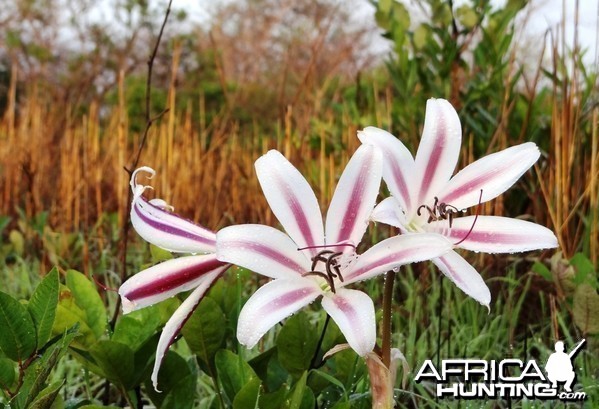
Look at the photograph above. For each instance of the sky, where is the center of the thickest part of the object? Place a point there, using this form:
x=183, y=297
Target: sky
x=546, y=14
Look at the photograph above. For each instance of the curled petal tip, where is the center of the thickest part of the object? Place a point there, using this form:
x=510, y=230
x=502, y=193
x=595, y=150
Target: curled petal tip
x=133, y=181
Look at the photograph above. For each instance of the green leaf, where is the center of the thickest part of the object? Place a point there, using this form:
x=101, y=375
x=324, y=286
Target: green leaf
x=204, y=332
x=274, y=400
x=117, y=362
x=233, y=372
x=296, y=344
x=47, y=397
x=182, y=394
x=585, y=309
x=159, y=255
x=88, y=299
x=542, y=270
x=248, y=396
x=584, y=269
x=173, y=371
x=8, y=371
x=42, y=306
x=17, y=333
x=137, y=327
x=69, y=314
x=37, y=373
x=301, y=397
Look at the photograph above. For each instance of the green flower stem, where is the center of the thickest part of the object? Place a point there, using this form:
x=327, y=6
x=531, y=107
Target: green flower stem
x=387, y=304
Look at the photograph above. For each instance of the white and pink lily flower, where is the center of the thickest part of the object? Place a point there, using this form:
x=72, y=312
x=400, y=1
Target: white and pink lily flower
x=155, y=223
x=313, y=260
x=426, y=198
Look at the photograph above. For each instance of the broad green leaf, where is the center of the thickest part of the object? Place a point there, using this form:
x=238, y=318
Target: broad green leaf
x=182, y=394
x=137, y=327
x=300, y=397
x=248, y=396
x=88, y=299
x=233, y=372
x=585, y=270
x=17, y=332
x=172, y=372
x=37, y=374
x=204, y=332
x=274, y=400
x=296, y=344
x=68, y=313
x=116, y=361
x=47, y=397
x=585, y=309
x=8, y=372
x=260, y=362
x=42, y=306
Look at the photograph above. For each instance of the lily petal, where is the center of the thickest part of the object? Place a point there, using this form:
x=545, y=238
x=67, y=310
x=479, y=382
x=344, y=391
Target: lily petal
x=494, y=174
x=291, y=199
x=272, y=303
x=262, y=249
x=167, y=279
x=439, y=149
x=353, y=312
x=464, y=276
x=389, y=212
x=495, y=234
x=178, y=319
x=169, y=231
x=355, y=196
x=394, y=252
x=398, y=163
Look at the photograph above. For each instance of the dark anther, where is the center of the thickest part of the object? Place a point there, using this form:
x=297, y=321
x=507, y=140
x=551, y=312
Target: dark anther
x=439, y=211
x=333, y=269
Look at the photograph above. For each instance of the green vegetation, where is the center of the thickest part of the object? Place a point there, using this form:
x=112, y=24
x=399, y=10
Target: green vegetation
x=63, y=201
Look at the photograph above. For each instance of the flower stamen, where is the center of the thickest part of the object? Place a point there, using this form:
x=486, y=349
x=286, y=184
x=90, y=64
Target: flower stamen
x=332, y=267
x=439, y=211
x=480, y=197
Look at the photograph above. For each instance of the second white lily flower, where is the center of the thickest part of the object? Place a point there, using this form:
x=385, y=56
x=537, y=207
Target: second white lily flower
x=313, y=260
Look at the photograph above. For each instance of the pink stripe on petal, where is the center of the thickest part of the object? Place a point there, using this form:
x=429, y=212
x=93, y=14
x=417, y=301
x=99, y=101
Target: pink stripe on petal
x=291, y=199
x=353, y=312
x=299, y=217
x=262, y=249
x=439, y=148
x=395, y=252
x=170, y=231
x=494, y=174
x=494, y=234
x=401, y=184
x=272, y=303
x=167, y=279
x=464, y=276
x=398, y=163
x=270, y=253
x=178, y=320
x=355, y=197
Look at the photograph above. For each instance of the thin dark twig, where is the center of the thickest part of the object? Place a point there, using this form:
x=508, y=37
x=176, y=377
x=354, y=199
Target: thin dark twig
x=149, y=121
x=313, y=362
